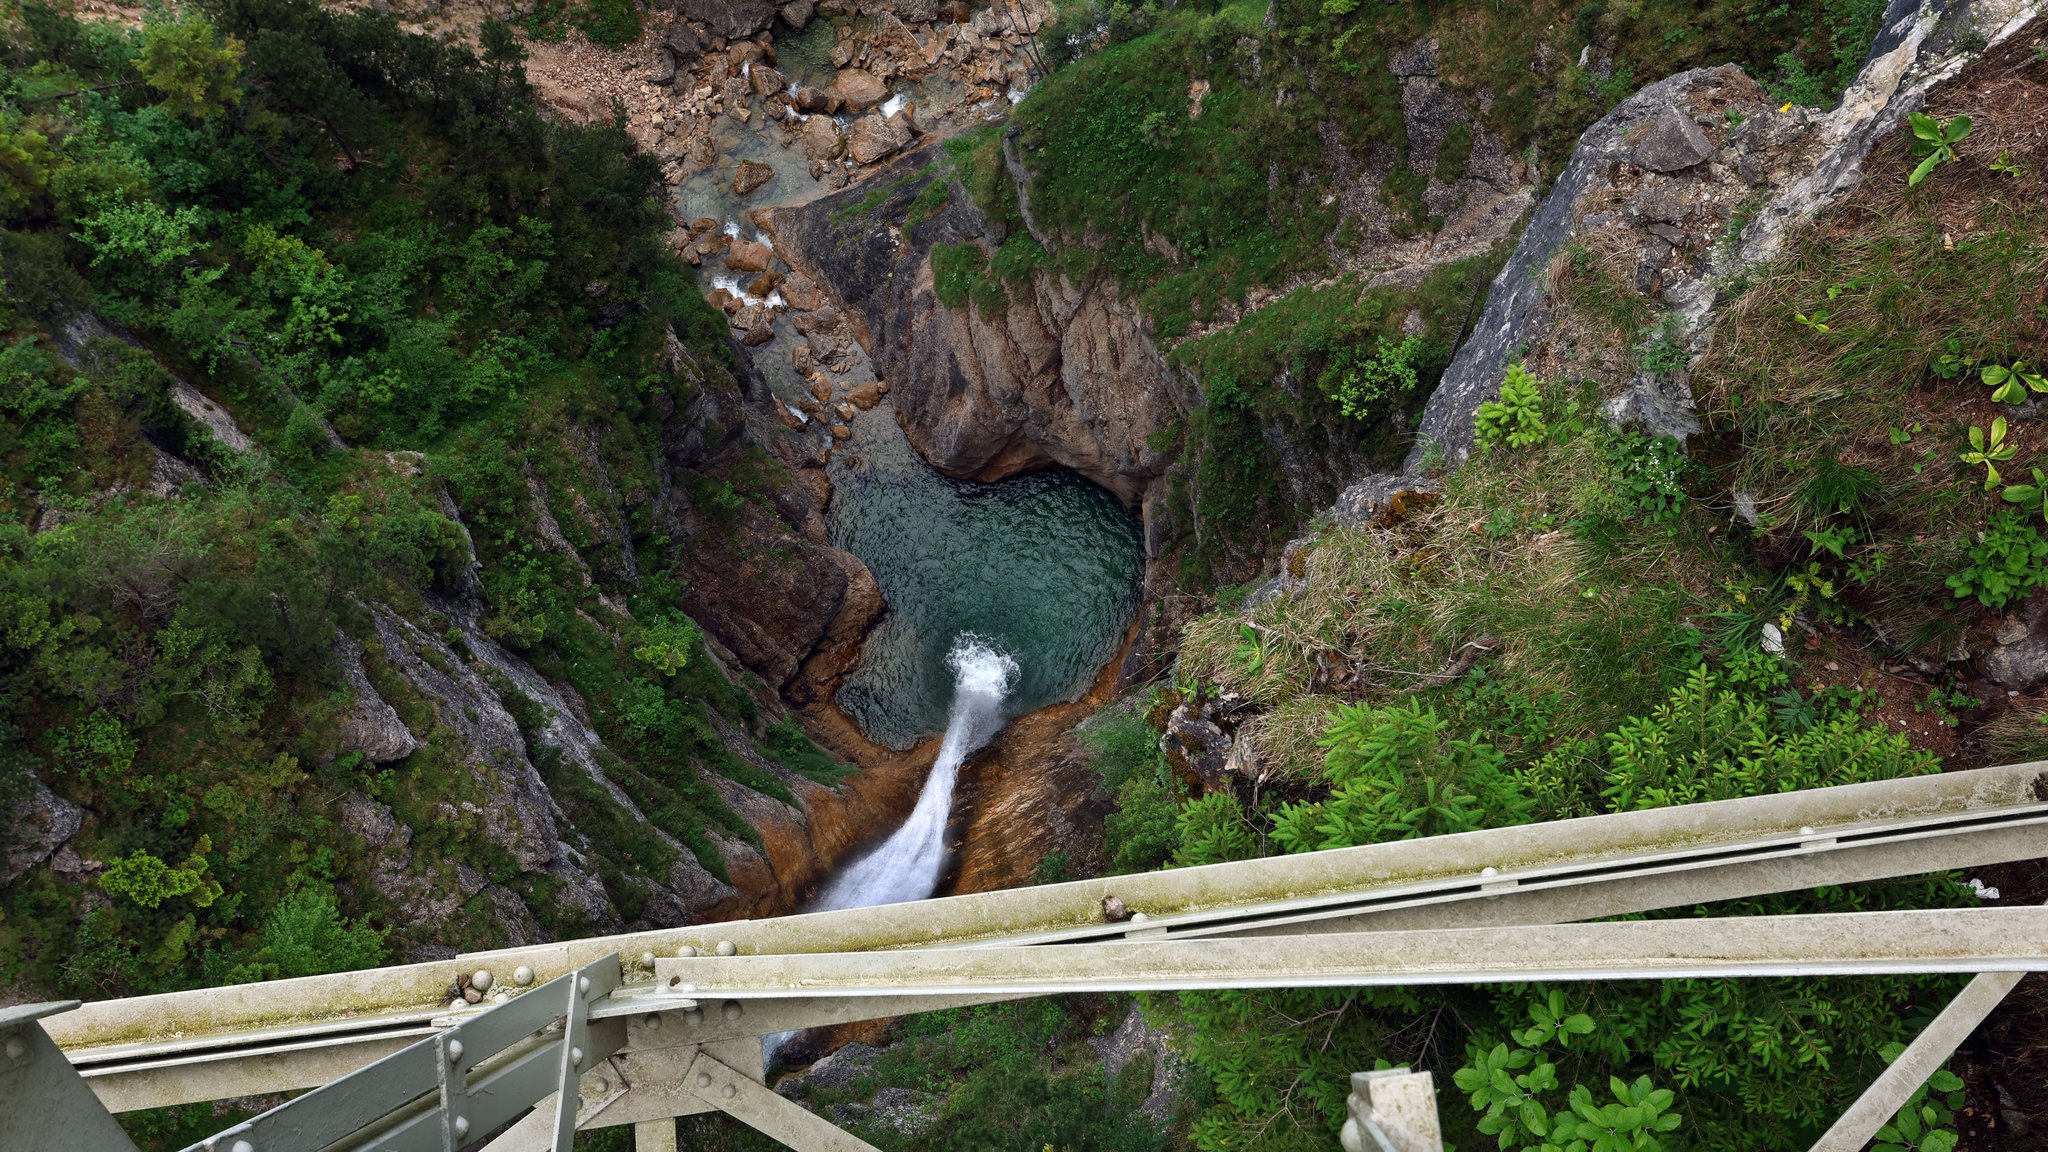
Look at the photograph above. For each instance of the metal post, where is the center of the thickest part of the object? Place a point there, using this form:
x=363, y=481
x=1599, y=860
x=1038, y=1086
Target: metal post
x=43, y=1101
x=1928, y=1052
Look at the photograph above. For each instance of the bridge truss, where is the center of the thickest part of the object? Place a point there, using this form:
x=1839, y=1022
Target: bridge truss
x=641, y=1028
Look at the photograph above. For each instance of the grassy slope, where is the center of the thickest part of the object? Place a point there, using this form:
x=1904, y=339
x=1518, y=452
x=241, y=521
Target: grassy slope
x=1602, y=593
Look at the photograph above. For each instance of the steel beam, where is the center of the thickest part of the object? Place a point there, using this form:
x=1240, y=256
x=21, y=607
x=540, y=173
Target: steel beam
x=1968, y=803
x=1839, y=944
x=1927, y=1053
x=760, y=1108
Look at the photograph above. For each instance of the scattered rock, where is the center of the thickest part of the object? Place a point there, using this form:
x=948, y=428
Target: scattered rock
x=1673, y=143
x=797, y=14
x=866, y=396
x=2020, y=659
x=810, y=100
x=802, y=293
x=916, y=11
x=748, y=256
x=732, y=19
x=858, y=89
x=751, y=176
x=841, y=433
x=682, y=44
x=874, y=138
x=821, y=140
x=763, y=284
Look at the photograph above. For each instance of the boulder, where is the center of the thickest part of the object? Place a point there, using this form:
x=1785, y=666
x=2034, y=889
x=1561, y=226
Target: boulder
x=682, y=44
x=866, y=396
x=732, y=19
x=1382, y=499
x=811, y=100
x=916, y=11
x=858, y=90
x=821, y=140
x=764, y=80
x=874, y=138
x=39, y=822
x=752, y=316
x=748, y=256
x=802, y=293
x=1673, y=143
x=798, y=13
x=763, y=284
x=1195, y=747
x=751, y=176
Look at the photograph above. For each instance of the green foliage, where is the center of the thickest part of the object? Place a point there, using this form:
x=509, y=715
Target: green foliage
x=666, y=643
x=1649, y=476
x=1936, y=140
x=1924, y=1122
x=192, y=67
x=1516, y=419
x=2008, y=559
x=1362, y=384
x=305, y=935
x=1989, y=451
x=1395, y=774
x=147, y=881
x=2010, y=383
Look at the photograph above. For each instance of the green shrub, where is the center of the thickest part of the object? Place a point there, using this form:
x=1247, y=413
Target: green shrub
x=2008, y=560
x=1362, y=384
x=1516, y=419
x=305, y=935
x=1649, y=476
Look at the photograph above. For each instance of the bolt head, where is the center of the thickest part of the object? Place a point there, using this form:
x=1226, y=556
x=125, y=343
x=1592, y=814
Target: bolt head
x=728, y=948
x=651, y=1022
x=693, y=1018
x=703, y=1079
x=733, y=1010
x=522, y=975
x=583, y=983
x=647, y=960
x=687, y=952
x=481, y=980
x=242, y=1146
x=454, y=1051
x=1489, y=870
x=576, y=1057
x=462, y=1125
x=729, y=1092
x=15, y=1047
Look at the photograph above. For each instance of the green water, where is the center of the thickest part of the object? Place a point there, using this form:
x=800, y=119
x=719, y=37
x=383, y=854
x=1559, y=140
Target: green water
x=1045, y=567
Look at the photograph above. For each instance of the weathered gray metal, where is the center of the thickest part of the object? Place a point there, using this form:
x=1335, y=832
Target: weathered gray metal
x=1921, y=1059
x=1831, y=944
x=478, y=1073
x=48, y=1105
x=1595, y=866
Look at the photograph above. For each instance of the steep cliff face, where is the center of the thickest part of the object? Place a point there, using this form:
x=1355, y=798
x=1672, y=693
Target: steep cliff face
x=1054, y=373
x=1682, y=188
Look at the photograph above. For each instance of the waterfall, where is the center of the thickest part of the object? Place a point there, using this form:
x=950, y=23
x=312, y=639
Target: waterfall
x=906, y=866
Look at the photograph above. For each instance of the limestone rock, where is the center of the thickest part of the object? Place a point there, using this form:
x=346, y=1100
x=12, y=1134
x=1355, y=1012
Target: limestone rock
x=916, y=11
x=1674, y=143
x=1381, y=499
x=821, y=140
x=751, y=176
x=371, y=725
x=682, y=44
x=858, y=89
x=874, y=138
x=748, y=256
x=39, y=822
x=764, y=80
x=1417, y=59
x=866, y=396
x=732, y=19
x=1195, y=747
x=797, y=14
x=211, y=416
x=2020, y=659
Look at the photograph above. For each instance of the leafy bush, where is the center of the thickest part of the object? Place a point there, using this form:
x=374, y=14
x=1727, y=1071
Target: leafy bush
x=2008, y=560
x=1649, y=476
x=1516, y=419
x=305, y=935
x=1362, y=384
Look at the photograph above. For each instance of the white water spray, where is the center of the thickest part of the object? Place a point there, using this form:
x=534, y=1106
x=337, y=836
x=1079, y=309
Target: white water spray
x=906, y=866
